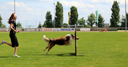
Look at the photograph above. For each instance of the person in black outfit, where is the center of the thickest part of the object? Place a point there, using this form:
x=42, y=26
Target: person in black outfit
x=14, y=42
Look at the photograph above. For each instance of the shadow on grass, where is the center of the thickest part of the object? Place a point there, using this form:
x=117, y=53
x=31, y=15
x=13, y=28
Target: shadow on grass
x=4, y=56
x=69, y=54
x=64, y=54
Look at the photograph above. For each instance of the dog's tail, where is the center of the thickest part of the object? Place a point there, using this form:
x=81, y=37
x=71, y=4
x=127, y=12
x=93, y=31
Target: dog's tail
x=46, y=39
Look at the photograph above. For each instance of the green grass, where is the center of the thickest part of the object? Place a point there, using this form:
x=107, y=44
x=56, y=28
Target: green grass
x=100, y=49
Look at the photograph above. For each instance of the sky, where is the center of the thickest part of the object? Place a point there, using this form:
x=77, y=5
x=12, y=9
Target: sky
x=31, y=12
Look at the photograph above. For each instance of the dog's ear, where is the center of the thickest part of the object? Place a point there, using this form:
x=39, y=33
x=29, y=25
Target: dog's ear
x=67, y=38
x=72, y=36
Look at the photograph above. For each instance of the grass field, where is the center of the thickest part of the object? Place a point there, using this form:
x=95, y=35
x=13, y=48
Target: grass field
x=95, y=49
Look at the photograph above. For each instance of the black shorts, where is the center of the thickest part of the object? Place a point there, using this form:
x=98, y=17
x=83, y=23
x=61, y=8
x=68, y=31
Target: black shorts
x=14, y=40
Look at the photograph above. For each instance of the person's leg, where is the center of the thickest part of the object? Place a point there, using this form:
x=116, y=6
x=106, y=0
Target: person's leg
x=15, y=44
x=3, y=42
x=15, y=52
x=8, y=43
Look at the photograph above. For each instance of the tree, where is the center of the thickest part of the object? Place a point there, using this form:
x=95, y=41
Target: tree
x=44, y=25
x=18, y=25
x=81, y=21
x=65, y=25
x=3, y=26
x=123, y=21
x=0, y=21
x=100, y=21
x=115, y=14
x=53, y=23
x=39, y=26
x=59, y=15
x=91, y=19
x=74, y=15
x=48, y=20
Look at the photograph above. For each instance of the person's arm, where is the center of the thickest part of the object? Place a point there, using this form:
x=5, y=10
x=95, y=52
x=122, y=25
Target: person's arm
x=11, y=27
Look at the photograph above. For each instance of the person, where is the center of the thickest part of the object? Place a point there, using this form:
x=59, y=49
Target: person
x=14, y=42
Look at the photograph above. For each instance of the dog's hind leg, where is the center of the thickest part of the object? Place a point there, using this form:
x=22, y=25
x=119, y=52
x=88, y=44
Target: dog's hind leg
x=52, y=45
x=46, y=47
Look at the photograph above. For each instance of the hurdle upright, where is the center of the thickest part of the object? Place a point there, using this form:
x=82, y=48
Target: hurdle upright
x=75, y=42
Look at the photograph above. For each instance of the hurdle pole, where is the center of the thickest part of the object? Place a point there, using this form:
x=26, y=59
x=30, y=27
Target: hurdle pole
x=75, y=42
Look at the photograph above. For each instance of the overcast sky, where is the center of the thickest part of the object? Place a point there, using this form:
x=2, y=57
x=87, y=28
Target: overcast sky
x=29, y=11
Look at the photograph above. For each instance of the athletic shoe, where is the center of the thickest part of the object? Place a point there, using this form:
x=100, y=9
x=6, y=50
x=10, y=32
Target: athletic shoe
x=2, y=42
x=16, y=56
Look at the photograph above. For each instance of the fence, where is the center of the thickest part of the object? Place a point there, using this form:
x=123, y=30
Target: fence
x=103, y=29
x=45, y=29
x=4, y=29
x=62, y=29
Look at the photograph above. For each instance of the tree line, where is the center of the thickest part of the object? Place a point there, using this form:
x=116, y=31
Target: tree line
x=1, y=24
x=58, y=19
x=90, y=22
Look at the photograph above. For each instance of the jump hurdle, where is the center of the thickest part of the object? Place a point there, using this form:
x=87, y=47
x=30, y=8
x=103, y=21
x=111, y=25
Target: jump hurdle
x=75, y=42
x=77, y=54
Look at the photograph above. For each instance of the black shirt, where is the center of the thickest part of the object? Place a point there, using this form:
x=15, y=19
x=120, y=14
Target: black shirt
x=14, y=27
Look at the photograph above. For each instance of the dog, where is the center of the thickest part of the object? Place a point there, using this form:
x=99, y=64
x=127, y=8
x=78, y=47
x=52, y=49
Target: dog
x=65, y=40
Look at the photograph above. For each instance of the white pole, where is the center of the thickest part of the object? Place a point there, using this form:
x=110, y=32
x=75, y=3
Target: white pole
x=41, y=16
x=14, y=6
x=54, y=15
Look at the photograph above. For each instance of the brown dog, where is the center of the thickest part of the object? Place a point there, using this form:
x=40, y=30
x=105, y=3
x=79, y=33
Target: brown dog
x=65, y=40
